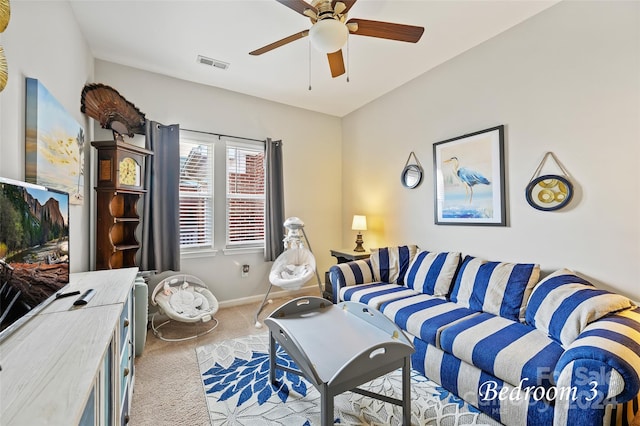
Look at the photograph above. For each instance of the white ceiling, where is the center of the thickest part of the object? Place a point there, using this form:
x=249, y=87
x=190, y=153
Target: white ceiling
x=167, y=36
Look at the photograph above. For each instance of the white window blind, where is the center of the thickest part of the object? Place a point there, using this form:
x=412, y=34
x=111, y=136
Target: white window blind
x=245, y=194
x=196, y=194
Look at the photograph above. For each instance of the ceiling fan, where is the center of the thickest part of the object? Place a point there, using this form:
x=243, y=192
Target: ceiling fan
x=330, y=29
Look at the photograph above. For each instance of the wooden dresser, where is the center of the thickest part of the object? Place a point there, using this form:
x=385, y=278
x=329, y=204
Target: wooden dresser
x=73, y=365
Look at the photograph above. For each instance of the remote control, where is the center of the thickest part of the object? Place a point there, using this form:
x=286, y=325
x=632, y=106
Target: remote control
x=86, y=296
x=71, y=293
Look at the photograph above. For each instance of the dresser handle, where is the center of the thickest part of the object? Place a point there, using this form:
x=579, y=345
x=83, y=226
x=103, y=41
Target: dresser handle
x=125, y=372
x=126, y=322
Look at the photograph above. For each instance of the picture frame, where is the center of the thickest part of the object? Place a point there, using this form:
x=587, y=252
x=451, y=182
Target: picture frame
x=54, y=143
x=469, y=179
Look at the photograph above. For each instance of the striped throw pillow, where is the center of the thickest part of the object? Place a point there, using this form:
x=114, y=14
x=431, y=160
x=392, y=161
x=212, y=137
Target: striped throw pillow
x=391, y=263
x=498, y=288
x=432, y=273
x=563, y=304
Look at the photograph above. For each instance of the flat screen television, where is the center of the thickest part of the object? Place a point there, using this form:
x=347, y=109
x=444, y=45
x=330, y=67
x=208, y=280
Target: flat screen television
x=34, y=250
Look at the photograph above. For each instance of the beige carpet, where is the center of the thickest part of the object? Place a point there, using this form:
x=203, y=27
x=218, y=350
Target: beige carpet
x=168, y=387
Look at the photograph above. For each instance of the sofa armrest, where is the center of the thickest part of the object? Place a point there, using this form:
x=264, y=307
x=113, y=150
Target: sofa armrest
x=348, y=274
x=602, y=366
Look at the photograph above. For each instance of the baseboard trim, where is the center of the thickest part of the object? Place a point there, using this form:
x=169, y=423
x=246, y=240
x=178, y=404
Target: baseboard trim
x=272, y=295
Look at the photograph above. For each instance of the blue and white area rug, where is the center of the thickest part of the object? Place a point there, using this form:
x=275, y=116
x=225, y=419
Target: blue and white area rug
x=235, y=375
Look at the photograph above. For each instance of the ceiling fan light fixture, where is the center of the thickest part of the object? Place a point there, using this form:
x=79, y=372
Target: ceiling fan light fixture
x=328, y=35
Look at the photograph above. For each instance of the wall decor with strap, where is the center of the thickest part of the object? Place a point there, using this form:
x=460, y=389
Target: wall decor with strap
x=411, y=175
x=549, y=192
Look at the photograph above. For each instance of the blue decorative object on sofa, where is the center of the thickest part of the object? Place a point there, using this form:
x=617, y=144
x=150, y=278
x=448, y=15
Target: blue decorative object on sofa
x=554, y=352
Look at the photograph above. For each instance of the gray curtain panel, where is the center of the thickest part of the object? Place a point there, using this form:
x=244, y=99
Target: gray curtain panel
x=161, y=219
x=274, y=203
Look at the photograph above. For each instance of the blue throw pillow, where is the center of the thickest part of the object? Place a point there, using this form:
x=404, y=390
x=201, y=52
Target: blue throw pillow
x=498, y=288
x=432, y=273
x=390, y=264
x=563, y=304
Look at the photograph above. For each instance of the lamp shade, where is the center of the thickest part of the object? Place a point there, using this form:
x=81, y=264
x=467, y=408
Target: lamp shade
x=359, y=223
x=328, y=35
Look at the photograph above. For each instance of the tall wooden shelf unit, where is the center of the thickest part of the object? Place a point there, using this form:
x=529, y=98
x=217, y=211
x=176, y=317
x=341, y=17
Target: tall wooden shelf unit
x=118, y=190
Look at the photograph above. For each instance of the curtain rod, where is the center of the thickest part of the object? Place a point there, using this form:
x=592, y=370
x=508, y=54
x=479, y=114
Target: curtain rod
x=227, y=136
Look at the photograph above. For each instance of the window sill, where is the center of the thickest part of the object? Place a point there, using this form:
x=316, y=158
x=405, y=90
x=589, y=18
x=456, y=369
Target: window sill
x=198, y=253
x=242, y=250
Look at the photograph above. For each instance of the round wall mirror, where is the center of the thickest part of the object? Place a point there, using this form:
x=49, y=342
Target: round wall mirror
x=411, y=176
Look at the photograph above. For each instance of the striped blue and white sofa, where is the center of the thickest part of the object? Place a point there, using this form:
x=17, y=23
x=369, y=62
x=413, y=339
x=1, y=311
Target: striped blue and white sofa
x=526, y=352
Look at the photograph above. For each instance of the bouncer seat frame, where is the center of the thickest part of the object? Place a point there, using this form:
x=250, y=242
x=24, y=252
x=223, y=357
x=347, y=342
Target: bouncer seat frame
x=183, y=298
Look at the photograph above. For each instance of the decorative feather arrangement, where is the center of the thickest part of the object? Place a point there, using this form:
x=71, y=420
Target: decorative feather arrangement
x=111, y=110
x=4, y=70
x=5, y=14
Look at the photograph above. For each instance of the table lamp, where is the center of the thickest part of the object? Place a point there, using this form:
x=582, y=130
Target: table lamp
x=359, y=224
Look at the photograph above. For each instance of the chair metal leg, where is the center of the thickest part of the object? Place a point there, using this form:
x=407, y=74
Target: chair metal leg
x=272, y=359
x=326, y=406
x=406, y=392
x=264, y=303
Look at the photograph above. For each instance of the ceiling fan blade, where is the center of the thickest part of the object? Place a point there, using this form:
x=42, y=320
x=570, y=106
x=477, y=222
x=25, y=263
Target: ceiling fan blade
x=348, y=3
x=388, y=30
x=336, y=63
x=279, y=43
x=298, y=5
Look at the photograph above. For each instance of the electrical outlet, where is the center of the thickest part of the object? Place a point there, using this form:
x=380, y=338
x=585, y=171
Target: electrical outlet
x=245, y=271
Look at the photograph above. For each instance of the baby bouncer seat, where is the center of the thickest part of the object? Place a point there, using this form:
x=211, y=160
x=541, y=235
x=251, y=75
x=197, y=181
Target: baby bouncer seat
x=295, y=266
x=186, y=299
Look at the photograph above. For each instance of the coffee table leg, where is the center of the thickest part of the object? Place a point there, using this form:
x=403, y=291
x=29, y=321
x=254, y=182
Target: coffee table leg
x=406, y=392
x=326, y=406
x=272, y=359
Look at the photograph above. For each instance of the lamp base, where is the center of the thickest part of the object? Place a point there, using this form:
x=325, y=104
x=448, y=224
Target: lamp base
x=359, y=242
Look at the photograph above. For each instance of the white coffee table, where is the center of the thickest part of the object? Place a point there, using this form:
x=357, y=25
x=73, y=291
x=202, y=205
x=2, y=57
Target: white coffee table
x=339, y=347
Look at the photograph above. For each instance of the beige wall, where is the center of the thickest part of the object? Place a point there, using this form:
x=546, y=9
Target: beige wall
x=43, y=41
x=566, y=81
x=312, y=149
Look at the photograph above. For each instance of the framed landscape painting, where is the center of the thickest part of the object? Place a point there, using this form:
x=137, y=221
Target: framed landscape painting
x=54, y=146
x=469, y=179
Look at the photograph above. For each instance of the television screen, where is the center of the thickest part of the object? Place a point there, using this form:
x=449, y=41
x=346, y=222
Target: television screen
x=34, y=248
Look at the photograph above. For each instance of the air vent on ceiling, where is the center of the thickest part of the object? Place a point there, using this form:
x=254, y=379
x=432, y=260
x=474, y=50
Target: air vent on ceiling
x=212, y=62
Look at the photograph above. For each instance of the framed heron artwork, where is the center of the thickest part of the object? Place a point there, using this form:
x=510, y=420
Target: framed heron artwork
x=469, y=179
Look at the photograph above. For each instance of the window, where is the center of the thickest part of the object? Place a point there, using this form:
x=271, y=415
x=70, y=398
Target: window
x=196, y=194
x=245, y=195
x=234, y=167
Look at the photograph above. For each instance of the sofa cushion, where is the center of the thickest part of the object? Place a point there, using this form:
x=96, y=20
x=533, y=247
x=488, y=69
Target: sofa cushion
x=496, y=287
x=509, y=350
x=375, y=294
x=390, y=263
x=425, y=316
x=563, y=304
x=432, y=273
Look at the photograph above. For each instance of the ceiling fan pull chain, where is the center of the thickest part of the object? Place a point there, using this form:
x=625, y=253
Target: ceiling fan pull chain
x=309, y=64
x=348, y=56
